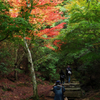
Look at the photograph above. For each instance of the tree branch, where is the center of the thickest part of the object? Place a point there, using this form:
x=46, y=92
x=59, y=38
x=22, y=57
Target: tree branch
x=4, y=38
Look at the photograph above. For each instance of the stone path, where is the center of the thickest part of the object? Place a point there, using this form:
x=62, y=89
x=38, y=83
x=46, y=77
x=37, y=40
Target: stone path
x=72, y=90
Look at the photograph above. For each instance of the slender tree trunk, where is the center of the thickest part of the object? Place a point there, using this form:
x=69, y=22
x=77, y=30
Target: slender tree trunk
x=17, y=63
x=35, y=95
x=15, y=67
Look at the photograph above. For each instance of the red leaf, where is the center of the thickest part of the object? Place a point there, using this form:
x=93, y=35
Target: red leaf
x=27, y=38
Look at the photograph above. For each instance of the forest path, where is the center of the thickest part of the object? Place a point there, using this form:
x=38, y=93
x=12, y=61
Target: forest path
x=92, y=95
x=72, y=90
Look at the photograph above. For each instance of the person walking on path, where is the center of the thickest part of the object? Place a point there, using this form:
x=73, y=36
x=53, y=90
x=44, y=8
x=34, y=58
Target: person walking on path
x=62, y=77
x=58, y=89
x=68, y=73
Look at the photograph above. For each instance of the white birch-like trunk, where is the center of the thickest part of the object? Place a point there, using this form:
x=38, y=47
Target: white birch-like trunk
x=35, y=96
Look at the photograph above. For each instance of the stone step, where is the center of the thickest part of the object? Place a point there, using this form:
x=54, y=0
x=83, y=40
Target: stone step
x=73, y=94
x=69, y=94
x=72, y=89
x=74, y=81
x=71, y=85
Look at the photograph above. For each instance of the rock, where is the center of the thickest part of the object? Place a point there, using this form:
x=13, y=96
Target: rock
x=51, y=94
x=65, y=98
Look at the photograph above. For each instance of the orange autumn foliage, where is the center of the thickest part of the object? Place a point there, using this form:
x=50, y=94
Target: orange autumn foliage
x=52, y=32
x=47, y=14
x=50, y=47
x=43, y=15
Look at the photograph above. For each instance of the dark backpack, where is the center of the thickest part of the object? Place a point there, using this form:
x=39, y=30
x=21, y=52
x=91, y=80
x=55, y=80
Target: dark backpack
x=62, y=76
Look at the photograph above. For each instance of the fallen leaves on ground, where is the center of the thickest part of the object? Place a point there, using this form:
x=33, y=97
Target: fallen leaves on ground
x=22, y=89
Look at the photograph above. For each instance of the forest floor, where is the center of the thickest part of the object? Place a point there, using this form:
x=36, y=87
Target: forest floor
x=22, y=89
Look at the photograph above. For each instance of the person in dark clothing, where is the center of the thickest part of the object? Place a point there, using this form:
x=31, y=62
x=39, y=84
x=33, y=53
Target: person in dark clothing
x=58, y=89
x=62, y=77
x=68, y=73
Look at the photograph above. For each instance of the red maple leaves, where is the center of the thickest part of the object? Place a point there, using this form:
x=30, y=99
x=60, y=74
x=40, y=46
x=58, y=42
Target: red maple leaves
x=52, y=32
x=45, y=13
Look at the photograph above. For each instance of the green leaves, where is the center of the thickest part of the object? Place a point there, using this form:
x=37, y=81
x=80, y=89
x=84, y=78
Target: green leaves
x=20, y=21
x=3, y=68
x=83, y=29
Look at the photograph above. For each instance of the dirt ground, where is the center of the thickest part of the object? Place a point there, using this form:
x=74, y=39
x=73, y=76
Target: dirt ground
x=22, y=89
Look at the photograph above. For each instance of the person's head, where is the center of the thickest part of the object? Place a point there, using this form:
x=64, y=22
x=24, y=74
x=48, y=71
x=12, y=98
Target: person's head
x=58, y=82
x=68, y=66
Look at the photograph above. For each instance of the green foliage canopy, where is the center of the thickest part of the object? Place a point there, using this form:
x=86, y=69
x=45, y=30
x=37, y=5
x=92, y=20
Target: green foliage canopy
x=83, y=29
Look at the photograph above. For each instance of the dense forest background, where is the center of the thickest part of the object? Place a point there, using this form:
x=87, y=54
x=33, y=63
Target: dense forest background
x=69, y=37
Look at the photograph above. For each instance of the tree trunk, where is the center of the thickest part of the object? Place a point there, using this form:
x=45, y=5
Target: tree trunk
x=15, y=67
x=17, y=63
x=35, y=95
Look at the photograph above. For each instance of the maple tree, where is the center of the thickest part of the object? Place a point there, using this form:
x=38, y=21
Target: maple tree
x=43, y=15
x=37, y=14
